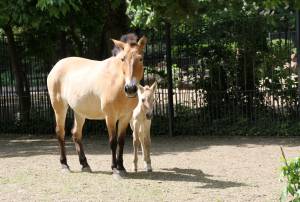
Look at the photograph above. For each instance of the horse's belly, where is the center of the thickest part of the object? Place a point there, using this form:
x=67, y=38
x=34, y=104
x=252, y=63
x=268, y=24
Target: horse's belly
x=88, y=106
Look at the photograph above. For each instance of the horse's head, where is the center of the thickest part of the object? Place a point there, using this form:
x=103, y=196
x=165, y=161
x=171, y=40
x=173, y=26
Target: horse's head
x=146, y=99
x=132, y=64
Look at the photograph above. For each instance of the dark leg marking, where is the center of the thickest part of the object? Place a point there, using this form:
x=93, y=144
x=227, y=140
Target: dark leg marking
x=113, y=146
x=121, y=142
x=80, y=151
x=63, y=158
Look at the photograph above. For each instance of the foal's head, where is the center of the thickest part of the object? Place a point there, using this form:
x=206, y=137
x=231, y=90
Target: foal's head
x=146, y=99
x=131, y=57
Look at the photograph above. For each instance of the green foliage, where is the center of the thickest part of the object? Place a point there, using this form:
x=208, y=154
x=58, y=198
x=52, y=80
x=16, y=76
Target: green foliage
x=147, y=13
x=291, y=170
x=281, y=3
x=58, y=8
x=18, y=13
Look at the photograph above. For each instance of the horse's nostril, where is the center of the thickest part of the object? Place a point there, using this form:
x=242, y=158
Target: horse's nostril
x=134, y=89
x=126, y=88
x=130, y=89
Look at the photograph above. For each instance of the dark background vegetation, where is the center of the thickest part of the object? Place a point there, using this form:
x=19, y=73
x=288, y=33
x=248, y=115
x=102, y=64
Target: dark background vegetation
x=231, y=60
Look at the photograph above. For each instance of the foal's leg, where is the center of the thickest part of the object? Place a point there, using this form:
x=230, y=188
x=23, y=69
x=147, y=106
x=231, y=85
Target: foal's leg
x=146, y=144
x=136, y=144
x=60, y=111
x=122, y=126
x=77, y=137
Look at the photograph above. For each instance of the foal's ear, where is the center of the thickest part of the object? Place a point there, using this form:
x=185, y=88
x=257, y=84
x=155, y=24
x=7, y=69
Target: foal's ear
x=154, y=86
x=140, y=88
x=119, y=44
x=142, y=43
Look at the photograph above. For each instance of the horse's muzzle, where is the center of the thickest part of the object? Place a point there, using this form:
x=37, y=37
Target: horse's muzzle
x=130, y=90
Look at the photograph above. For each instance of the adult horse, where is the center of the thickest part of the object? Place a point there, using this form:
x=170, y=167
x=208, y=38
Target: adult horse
x=97, y=90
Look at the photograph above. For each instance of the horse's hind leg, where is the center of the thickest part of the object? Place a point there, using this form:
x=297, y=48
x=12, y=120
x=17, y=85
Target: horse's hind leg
x=77, y=137
x=60, y=110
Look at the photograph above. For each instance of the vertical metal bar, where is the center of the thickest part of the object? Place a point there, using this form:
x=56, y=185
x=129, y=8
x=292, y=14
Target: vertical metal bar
x=298, y=50
x=170, y=80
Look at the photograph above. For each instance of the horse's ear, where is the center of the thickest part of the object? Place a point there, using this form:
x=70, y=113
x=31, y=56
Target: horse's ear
x=119, y=44
x=154, y=86
x=140, y=88
x=142, y=43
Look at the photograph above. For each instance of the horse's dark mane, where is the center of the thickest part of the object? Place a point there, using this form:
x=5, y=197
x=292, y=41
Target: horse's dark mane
x=133, y=44
x=130, y=38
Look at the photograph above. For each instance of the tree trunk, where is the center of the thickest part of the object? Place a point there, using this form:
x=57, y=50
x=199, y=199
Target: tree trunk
x=22, y=87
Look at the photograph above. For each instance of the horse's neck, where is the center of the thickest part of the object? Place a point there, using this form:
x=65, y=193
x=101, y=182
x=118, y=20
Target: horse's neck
x=109, y=69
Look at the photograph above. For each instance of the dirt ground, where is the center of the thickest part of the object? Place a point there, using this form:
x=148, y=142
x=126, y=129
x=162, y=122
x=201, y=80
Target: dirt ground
x=185, y=168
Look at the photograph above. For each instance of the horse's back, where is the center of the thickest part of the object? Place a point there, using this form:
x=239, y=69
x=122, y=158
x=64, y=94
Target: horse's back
x=80, y=69
x=70, y=64
x=81, y=83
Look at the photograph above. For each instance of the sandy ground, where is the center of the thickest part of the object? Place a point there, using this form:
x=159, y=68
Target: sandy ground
x=186, y=168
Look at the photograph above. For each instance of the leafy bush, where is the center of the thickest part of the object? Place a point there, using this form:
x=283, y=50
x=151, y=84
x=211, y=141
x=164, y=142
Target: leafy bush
x=291, y=170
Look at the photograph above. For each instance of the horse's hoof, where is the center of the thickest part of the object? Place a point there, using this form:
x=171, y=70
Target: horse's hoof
x=65, y=169
x=118, y=174
x=123, y=173
x=86, y=169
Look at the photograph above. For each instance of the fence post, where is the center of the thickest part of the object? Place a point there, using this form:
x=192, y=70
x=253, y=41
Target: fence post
x=170, y=80
x=298, y=50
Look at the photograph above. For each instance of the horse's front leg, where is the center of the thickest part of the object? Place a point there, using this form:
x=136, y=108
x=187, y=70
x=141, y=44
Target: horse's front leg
x=111, y=127
x=122, y=126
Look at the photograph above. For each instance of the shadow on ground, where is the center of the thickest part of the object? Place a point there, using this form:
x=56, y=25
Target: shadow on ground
x=186, y=175
x=180, y=175
x=23, y=146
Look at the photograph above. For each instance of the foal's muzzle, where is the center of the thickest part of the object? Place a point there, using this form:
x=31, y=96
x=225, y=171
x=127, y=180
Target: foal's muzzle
x=130, y=90
x=149, y=116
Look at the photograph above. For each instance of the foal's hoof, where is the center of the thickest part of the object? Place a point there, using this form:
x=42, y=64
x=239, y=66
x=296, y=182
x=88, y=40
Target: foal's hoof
x=135, y=168
x=119, y=174
x=86, y=169
x=148, y=167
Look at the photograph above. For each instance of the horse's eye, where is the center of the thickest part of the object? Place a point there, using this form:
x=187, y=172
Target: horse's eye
x=123, y=58
x=143, y=99
x=141, y=59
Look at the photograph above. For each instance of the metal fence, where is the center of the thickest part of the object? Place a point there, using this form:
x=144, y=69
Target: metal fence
x=230, y=77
